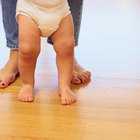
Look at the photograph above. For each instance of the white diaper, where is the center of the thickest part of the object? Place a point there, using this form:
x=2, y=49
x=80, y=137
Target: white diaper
x=46, y=13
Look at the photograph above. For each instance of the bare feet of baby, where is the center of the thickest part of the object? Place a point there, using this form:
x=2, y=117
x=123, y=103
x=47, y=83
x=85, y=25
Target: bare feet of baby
x=67, y=96
x=26, y=93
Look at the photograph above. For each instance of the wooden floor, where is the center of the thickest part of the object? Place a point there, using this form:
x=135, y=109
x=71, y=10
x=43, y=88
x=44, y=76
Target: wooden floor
x=108, y=107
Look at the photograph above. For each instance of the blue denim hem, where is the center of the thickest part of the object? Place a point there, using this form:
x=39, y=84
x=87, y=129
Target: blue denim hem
x=12, y=47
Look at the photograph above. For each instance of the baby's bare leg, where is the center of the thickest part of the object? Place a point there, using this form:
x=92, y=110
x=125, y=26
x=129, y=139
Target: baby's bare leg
x=63, y=40
x=29, y=48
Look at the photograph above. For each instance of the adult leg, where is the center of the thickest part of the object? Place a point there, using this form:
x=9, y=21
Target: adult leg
x=29, y=48
x=10, y=70
x=80, y=75
x=63, y=40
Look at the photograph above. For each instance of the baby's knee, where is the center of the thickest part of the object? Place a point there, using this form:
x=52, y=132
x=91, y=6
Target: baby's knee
x=67, y=42
x=65, y=47
x=27, y=50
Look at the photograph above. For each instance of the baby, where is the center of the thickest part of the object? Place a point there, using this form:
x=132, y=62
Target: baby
x=38, y=18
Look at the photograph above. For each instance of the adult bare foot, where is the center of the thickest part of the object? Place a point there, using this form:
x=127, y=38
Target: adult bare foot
x=80, y=75
x=9, y=72
x=26, y=93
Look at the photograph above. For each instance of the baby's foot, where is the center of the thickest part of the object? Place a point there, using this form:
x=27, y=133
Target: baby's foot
x=80, y=75
x=8, y=74
x=67, y=96
x=26, y=93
